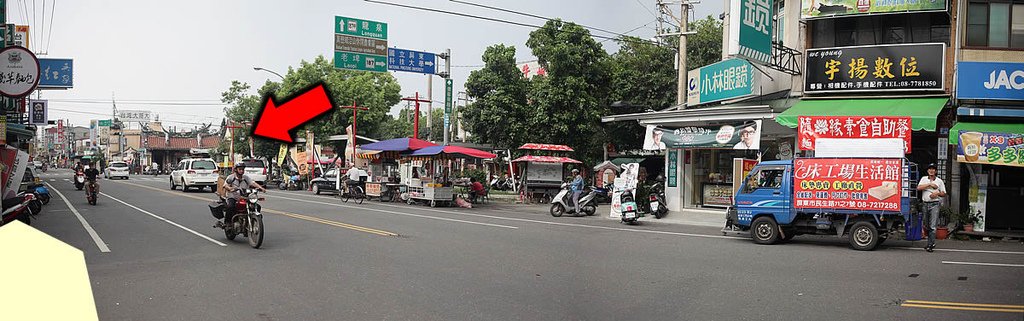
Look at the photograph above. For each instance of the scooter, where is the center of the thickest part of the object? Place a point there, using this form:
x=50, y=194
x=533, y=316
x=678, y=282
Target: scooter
x=630, y=214
x=17, y=208
x=562, y=202
x=79, y=180
x=657, y=199
x=604, y=194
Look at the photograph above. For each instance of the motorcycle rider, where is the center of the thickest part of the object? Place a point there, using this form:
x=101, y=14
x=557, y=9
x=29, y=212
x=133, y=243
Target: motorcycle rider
x=577, y=188
x=90, y=177
x=232, y=185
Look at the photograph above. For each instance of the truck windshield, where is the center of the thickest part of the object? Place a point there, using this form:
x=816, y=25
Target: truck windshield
x=767, y=177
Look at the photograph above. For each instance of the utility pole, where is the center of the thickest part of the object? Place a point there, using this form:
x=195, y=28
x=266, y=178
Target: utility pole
x=231, y=143
x=355, y=109
x=430, y=108
x=416, y=116
x=447, y=94
x=683, y=19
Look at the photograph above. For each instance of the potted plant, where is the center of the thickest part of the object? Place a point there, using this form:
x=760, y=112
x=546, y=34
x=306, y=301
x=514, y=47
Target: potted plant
x=945, y=214
x=967, y=219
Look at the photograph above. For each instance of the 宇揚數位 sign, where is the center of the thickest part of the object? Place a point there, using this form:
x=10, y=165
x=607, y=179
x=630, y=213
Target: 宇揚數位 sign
x=360, y=44
x=19, y=72
x=753, y=29
x=821, y=9
x=728, y=79
x=876, y=68
x=990, y=80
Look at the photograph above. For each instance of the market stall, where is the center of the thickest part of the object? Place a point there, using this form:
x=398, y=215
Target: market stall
x=426, y=172
x=384, y=160
x=543, y=176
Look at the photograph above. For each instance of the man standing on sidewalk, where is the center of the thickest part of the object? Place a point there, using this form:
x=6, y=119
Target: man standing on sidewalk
x=932, y=191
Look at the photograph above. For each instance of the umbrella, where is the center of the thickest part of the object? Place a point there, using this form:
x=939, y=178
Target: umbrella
x=398, y=144
x=63, y=278
x=451, y=150
x=546, y=159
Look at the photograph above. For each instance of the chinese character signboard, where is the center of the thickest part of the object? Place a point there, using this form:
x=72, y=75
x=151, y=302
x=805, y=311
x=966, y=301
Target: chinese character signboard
x=360, y=44
x=753, y=29
x=411, y=61
x=673, y=167
x=739, y=136
x=848, y=183
x=810, y=128
x=991, y=148
x=728, y=79
x=19, y=72
x=990, y=80
x=133, y=115
x=531, y=69
x=20, y=36
x=830, y=8
x=103, y=123
x=56, y=73
x=876, y=68
x=37, y=113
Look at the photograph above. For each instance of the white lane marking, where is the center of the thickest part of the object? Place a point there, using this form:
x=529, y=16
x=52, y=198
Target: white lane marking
x=569, y=224
x=88, y=228
x=53, y=179
x=959, y=250
x=164, y=219
x=67, y=180
x=981, y=263
x=399, y=213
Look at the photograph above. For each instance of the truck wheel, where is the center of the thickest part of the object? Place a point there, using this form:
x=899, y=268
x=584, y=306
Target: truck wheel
x=863, y=236
x=764, y=230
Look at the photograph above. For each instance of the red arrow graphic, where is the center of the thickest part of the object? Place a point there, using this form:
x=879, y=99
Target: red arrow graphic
x=278, y=122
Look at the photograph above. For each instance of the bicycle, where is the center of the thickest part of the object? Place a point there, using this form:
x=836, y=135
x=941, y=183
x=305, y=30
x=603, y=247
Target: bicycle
x=355, y=192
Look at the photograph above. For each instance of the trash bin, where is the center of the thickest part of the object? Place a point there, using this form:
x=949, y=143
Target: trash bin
x=914, y=228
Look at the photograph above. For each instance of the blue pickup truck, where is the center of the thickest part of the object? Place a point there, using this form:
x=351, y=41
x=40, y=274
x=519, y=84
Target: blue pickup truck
x=773, y=203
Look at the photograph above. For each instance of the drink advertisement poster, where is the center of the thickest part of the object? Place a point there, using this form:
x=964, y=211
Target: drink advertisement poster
x=991, y=148
x=848, y=183
x=810, y=128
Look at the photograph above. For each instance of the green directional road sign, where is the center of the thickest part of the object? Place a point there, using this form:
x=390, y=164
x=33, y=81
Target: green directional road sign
x=447, y=96
x=360, y=44
x=103, y=123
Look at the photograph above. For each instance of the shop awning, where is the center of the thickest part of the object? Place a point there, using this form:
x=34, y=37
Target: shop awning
x=922, y=111
x=1008, y=128
x=545, y=159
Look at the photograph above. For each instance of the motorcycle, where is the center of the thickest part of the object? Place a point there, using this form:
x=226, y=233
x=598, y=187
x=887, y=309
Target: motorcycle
x=17, y=208
x=657, y=199
x=501, y=184
x=290, y=184
x=91, y=191
x=604, y=194
x=41, y=192
x=247, y=221
x=630, y=214
x=79, y=180
x=35, y=206
x=562, y=202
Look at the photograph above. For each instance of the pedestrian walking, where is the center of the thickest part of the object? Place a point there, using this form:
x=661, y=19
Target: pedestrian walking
x=933, y=190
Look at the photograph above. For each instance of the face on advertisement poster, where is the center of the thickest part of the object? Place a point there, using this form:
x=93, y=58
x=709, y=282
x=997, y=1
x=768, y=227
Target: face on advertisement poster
x=652, y=139
x=750, y=136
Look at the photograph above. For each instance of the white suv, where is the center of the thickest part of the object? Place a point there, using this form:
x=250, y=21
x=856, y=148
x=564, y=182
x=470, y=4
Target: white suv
x=195, y=172
x=116, y=169
x=256, y=170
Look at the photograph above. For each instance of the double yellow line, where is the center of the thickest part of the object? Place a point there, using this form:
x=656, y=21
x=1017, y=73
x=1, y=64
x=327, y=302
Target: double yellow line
x=292, y=215
x=963, y=306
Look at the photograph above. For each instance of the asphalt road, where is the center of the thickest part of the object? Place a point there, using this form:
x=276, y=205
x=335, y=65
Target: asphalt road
x=327, y=260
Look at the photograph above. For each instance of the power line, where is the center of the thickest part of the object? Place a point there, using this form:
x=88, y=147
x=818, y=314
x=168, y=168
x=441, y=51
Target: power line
x=648, y=9
x=49, y=36
x=141, y=103
x=531, y=15
x=105, y=114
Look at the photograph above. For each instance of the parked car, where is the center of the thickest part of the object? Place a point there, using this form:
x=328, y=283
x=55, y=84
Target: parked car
x=325, y=184
x=195, y=173
x=256, y=169
x=116, y=169
x=37, y=164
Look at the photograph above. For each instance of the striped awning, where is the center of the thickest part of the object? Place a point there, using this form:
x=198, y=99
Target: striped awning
x=373, y=154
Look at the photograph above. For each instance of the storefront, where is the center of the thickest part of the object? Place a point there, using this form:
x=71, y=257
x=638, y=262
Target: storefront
x=988, y=144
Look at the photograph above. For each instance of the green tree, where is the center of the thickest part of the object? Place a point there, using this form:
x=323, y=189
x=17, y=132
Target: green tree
x=573, y=96
x=500, y=115
x=242, y=108
x=644, y=75
x=704, y=47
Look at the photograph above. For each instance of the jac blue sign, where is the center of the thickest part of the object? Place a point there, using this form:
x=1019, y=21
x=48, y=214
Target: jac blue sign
x=411, y=61
x=56, y=73
x=990, y=80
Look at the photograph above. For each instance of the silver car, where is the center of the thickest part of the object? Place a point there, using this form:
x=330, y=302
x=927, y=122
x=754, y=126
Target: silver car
x=116, y=169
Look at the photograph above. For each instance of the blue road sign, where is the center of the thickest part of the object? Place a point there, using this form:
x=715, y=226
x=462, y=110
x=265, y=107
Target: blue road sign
x=56, y=73
x=411, y=61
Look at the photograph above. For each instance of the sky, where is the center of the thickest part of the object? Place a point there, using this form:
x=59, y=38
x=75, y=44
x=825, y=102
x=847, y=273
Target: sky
x=186, y=52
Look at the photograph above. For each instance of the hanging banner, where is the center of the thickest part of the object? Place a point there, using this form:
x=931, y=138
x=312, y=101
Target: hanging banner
x=876, y=68
x=848, y=183
x=739, y=136
x=991, y=148
x=811, y=9
x=281, y=153
x=810, y=128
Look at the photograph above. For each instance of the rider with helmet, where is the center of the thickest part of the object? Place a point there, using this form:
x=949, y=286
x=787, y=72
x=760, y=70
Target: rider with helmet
x=233, y=185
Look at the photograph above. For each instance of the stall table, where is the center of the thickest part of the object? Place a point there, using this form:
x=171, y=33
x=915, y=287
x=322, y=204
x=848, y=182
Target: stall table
x=432, y=194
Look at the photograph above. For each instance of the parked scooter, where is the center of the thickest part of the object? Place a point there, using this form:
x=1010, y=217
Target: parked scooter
x=17, y=208
x=604, y=194
x=79, y=180
x=562, y=202
x=657, y=198
x=501, y=184
x=630, y=214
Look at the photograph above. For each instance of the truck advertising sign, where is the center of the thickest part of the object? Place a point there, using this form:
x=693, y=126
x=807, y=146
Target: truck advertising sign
x=871, y=184
x=810, y=128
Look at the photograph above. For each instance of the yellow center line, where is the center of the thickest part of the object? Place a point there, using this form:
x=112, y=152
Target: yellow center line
x=963, y=306
x=292, y=215
x=1008, y=306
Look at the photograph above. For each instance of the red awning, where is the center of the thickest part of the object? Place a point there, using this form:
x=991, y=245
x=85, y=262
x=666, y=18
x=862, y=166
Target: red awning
x=546, y=159
x=552, y=147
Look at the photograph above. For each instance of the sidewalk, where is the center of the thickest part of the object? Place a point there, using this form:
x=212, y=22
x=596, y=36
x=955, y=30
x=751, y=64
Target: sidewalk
x=693, y=216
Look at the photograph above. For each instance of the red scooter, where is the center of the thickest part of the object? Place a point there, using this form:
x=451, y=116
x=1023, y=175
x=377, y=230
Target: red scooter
x=17, y=208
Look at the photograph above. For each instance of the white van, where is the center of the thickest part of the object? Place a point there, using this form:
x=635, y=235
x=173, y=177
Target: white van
x=195, y=172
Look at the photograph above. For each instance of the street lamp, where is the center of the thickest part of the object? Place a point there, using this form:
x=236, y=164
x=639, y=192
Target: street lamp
x=268, y=70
